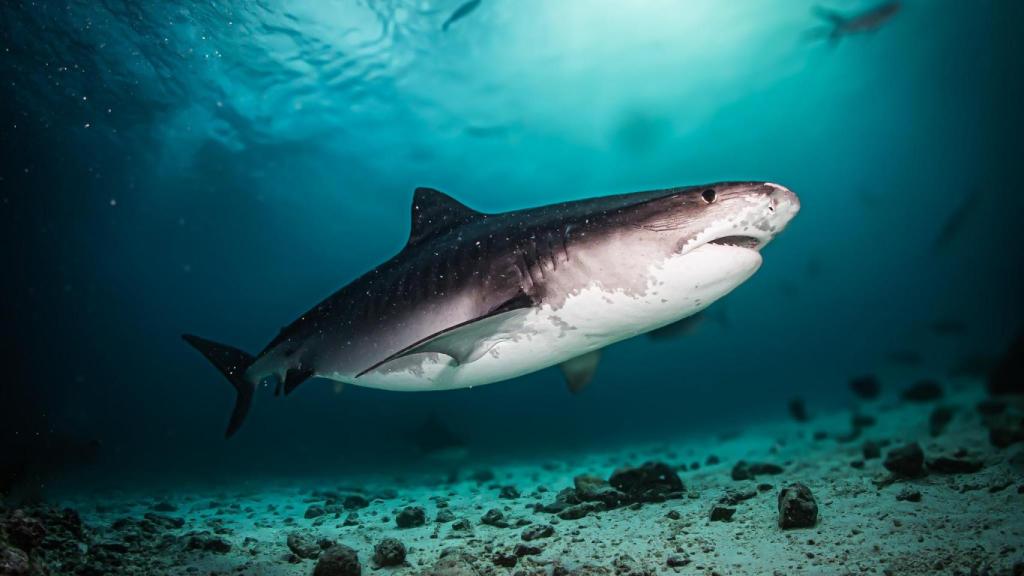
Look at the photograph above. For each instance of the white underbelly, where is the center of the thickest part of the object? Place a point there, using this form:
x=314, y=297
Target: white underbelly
x=589, y=319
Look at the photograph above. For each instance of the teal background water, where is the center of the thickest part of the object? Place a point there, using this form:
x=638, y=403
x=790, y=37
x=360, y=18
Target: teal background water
x=218, y=168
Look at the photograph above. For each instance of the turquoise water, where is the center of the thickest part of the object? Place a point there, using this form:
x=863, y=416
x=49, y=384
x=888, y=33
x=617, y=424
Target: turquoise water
x=217, y=168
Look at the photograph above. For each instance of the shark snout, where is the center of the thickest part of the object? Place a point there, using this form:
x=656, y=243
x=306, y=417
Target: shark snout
x=783, y=203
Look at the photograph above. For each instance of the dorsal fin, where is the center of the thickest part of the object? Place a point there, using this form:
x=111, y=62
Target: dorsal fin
x=434, y=212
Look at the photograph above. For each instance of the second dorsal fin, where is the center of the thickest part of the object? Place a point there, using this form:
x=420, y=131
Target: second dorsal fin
x=434, y=212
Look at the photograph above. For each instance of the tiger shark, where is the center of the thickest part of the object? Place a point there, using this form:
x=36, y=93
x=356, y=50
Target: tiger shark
x=475, y=298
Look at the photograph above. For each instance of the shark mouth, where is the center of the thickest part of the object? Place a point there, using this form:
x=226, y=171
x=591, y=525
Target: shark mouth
x=749, y=242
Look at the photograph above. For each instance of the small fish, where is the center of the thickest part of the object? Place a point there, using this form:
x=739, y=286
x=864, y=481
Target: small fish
x=460, y=13
x=864, y=22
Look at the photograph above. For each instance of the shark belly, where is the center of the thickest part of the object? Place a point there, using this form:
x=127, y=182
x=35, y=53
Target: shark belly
x=589, y=318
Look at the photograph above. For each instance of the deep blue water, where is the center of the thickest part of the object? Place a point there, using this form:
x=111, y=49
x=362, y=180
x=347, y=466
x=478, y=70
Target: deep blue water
x=218, y=168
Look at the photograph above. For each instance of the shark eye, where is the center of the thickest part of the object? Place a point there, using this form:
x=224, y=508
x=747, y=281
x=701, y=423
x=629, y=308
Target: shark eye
x=708, y=195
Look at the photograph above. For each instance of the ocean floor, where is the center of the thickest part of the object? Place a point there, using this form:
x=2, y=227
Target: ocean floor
x=926, y=481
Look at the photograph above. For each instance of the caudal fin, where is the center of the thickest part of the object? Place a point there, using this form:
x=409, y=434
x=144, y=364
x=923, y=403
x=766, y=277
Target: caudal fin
x=232, y=363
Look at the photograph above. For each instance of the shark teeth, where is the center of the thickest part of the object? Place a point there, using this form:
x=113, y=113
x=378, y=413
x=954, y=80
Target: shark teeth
x=738, y=241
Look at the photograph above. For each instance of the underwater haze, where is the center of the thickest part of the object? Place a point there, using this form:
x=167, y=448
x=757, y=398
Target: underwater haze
x=218, y=168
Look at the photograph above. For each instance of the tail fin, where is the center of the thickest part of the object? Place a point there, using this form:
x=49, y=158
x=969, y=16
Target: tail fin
x=232, y=363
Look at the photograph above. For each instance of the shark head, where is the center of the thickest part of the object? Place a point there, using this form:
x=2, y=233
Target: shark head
x=693, y=245
x=736, y=215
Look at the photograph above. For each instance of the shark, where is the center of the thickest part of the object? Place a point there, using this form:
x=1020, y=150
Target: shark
x=866, y=21
x=475, y=298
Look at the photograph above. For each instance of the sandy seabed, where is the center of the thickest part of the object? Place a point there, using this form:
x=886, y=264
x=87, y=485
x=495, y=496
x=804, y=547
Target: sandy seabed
x=871, y=503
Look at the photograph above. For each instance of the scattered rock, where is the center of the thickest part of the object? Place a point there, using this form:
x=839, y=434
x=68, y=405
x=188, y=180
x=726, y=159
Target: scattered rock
x=721, y=513
x=798, y=410
x=733, y=496
x=410, y=517
x=538, y=531
x=389, y=552
x=314, y=511
x=444, y=516
x=580, y=510
x=907, y=461
x=508, y=493
x=13, y=562
x=527, y=550
x=945, y=465
x=595, y=489
x=164, y=522
x=749, y=470
x=351, y=519
x=494, y=517
x=650, y=482
x=564, y=499
x=452, y=562
x=355, y=502
x=711, y=460
x=24, y=531
x=207, y=542
x=676, y=561
x=909, y=495
x=797, y=507
x=338, y=560
x=922, y=391
x=866, y=387
x=303, y=545
x=462, y=525
x=940, y=417
x=505, y=559
x=625, y=565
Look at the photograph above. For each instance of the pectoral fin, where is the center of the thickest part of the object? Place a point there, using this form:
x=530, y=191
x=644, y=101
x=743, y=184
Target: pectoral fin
x=469, y=340
x=580, y=370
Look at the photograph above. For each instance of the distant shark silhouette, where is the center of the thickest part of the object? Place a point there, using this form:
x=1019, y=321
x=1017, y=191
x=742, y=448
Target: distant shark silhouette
x=870, y=20
x=461, y=12
x=477, y=298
